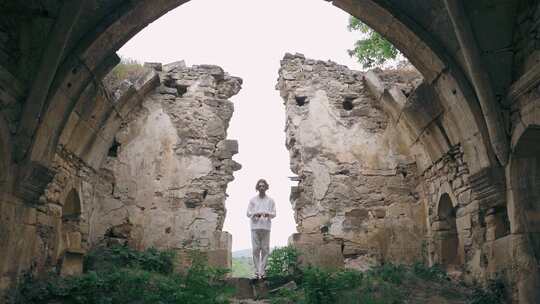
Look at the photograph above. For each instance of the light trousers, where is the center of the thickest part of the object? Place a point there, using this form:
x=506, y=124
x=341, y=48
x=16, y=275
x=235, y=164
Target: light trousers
x=260, y=242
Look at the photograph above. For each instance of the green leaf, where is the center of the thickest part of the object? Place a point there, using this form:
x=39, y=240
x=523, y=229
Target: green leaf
x=372, y=51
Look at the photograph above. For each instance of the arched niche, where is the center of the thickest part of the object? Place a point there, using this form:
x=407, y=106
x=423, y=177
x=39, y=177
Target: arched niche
x=524, y=210
x=525, y=186
x=71, y=221
x=445, y=233
x=71, y=248
x=72, y=207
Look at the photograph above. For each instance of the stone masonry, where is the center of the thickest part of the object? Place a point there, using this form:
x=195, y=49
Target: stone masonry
x=160, y=183
x=167, y=171
x=357, y=194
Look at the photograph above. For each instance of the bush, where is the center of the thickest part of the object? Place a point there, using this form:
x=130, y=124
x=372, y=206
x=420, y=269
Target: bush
x=282, y=265
x=317, y=286
x=389, y=273
x=492, y=294
x=122, y=256
x=121, y=275
x=434, y=273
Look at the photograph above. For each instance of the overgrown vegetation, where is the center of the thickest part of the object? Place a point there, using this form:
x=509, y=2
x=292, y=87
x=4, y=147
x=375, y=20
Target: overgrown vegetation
x=122, y=275
x=374, y=49
x=385, y=284
x=493, y=293
x=282, y=265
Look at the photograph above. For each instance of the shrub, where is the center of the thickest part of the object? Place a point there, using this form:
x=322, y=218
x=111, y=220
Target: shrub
x=326, y=286
x=429, y=273
x=282, y=265
x=389, y=273
x=122, y=256
x=121, y=275
x=493, y=293
x=318, y=286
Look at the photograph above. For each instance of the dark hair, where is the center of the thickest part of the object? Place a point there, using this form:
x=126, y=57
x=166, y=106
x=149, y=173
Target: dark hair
x=262, y=180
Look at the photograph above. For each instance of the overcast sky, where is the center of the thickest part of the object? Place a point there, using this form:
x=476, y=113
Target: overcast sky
x=248, y=38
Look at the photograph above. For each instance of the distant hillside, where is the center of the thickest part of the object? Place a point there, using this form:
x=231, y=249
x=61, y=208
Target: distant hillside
x=242, y=267
x=242, y=253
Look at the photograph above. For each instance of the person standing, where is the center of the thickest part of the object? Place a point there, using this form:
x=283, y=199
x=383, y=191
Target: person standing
x=261, y=211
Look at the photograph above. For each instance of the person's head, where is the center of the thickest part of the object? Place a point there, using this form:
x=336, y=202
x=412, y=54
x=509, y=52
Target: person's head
x=261, y=186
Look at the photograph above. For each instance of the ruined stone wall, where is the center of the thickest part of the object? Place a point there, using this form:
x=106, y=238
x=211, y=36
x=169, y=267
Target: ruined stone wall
x=167, y=171
x=358, y=184
x=161, y=185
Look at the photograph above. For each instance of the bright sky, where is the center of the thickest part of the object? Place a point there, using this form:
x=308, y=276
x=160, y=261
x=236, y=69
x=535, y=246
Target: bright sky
x=248, y=38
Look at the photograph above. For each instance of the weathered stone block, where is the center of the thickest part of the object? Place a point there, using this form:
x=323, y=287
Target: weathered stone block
x=463, y=222
x=74, y=240
x=72, y=262
x=316, y=251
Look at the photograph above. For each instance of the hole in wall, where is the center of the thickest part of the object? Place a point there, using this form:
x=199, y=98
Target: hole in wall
x=348, y=103
x=113, y=150
x=300, y=100
x=191, y=204
x=181, y=90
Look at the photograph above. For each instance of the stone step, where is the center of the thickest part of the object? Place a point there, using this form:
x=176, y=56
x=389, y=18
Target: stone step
x=247, y=288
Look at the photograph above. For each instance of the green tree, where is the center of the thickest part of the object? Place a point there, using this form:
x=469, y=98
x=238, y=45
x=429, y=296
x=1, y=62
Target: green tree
x=372, y=51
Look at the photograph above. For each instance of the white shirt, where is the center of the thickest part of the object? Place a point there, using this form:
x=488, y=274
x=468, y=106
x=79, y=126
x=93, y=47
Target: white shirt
x=264, y=205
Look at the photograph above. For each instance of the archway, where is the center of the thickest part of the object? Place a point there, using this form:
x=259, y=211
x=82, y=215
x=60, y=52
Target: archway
x=90, y=55
x=525, y=182
x=446, y=233
x=71, y=249
x=71, y=218
x=525, y=222
x=95, y=56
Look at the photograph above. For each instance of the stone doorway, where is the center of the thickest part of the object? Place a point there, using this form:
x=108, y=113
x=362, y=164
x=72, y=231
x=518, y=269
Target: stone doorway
x=526, y=186
x=72, y=252
x=525, y=207
x=446, y=234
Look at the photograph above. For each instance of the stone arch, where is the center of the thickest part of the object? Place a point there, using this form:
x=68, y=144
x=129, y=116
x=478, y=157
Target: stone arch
x=95, y=56
x=445, y=233
x=525, y=184
x=464, y=120
x=524, y=210
x=446, y=190
x=71, y=247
